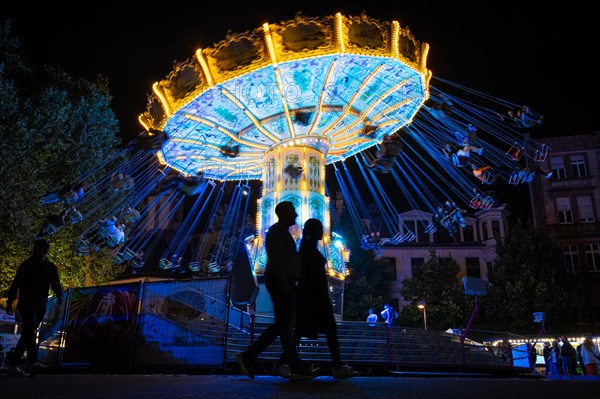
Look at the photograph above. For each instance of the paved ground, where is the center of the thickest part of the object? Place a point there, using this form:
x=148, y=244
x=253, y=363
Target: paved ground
x=211, y=386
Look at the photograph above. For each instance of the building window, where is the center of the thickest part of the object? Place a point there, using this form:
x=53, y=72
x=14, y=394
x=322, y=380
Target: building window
x=392, y=263
x=484, y=231
x=473, y=269
x=586, y=211
x=469, y=233
x=410, y=225
x=571, y=258
x=565, y=214
x=442, y=236
x=557, y=164
x=592, y=257
x=578, y=168
x=496, y=228
x=421, y=235
x=416, y=265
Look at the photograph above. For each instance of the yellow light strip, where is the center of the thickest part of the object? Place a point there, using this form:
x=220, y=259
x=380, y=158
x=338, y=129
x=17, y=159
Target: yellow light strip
x=231, y=135
x=348, y=106
x=249, y=114
x=143, y=121
x=339, y=33
x=286, y=110
x=322, y=182
x=373, y=105
x=304, y=182
x=207, y=73
x=274, y=62
x=427, y=79
x=424, y=53
x=342, y=139
x=322, y=97
x=383, y=96
x=269, y=41
x=249, y=157
x=391, y=109
x=346, y=143
x=395, y=36
x=163, y=99
x=161, y=159
x=224, y=162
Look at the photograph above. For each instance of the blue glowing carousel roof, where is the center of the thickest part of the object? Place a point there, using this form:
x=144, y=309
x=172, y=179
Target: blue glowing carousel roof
x=341, y=101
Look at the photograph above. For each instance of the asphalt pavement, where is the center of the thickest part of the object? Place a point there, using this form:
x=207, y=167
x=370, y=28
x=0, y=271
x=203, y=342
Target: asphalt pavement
x=217, y=386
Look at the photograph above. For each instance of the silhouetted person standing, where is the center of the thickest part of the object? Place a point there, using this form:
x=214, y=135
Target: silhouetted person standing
x=33, y=280
x=281, y=280
x=568, y=354
x=314, y=309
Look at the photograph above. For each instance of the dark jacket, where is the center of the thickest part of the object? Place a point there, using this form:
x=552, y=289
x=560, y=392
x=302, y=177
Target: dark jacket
x=283, y=263
x=33, y=281
x=547, y=351
x=314, y=312
x=567, y=349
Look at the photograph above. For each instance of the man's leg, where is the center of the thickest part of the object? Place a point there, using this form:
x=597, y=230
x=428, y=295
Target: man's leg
x=27, y=339
x=264, y=340
x=284, y=307
x=32, y=349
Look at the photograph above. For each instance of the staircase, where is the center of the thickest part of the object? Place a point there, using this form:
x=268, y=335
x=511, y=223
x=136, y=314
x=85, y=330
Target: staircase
x=380, y=348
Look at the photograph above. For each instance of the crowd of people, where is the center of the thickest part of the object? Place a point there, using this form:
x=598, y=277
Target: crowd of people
x=562, y=359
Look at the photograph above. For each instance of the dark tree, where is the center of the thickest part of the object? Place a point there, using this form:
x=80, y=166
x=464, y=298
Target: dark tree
x=53, y=128
x=436, y=284
x=529, y=275
x=368, y=284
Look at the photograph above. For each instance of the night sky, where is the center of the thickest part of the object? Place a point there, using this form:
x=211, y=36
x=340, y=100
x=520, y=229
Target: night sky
x=541, y=57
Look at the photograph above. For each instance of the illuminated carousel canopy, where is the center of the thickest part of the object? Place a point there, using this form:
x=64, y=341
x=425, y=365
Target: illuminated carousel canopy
x=337, y=84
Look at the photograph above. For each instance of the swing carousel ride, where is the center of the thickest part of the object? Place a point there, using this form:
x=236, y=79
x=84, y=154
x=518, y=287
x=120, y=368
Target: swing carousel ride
x=279, y=104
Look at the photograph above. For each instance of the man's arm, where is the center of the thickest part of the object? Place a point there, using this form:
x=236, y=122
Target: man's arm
x=55, y=285
x=274, y=243
x=14, y=288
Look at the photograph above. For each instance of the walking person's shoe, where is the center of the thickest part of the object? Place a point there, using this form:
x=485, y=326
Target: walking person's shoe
x=282, y=370
x=36, y=368
x=344, y=372
x=245, y=364
x=302, y=374
x=15, y=372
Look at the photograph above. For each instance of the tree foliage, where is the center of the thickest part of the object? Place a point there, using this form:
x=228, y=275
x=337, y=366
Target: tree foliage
x=438, y=286
x=529, y=276
x=53, y=129
x=368, y=283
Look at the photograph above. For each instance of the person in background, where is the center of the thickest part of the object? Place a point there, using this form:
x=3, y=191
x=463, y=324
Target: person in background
x=32, y=282
x=567, y=354
x=547, y=352
x=314, y=312
x=590, y=356
x=580, y=359
x=118, y=235
x=281, y=280
x=533, y=359
x=389, y=314
x=372, y=317
x=554, y=357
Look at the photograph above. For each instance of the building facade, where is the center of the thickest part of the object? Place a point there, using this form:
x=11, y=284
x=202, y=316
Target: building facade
x=567, y=207
x=474, y=247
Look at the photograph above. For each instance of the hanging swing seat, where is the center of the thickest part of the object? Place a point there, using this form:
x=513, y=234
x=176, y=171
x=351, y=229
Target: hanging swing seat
x=165, y=264
x=195, y=266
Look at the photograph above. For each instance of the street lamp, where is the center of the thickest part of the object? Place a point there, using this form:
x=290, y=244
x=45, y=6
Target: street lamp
x=421, y=305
